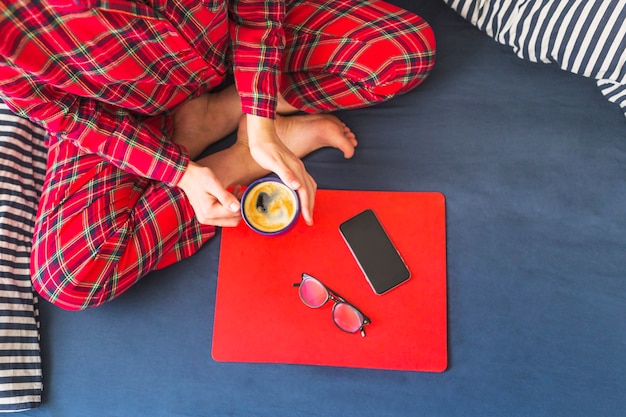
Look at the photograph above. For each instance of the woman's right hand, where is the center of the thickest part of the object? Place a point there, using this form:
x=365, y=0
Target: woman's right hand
x=211, y=202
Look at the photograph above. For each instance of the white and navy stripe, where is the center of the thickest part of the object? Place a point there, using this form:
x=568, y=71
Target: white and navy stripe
x=22, y=169
x=586, y=37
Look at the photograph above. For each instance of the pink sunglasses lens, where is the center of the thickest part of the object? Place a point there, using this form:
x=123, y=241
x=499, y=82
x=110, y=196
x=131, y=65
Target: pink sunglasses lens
x=313, y=293
x=347, y=318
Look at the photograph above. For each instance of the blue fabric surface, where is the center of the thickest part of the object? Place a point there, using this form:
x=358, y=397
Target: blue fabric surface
x=583, y=37
x=532, y=161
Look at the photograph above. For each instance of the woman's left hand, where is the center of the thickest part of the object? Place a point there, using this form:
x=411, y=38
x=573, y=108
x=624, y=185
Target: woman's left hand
x=271, y=153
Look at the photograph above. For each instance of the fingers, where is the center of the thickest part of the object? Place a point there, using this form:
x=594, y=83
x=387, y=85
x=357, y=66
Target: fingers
x=226, y=199
x=216, y=214
x=306, y=188
x=288, y=177
x=219, y=207
x=211, y=202
x=307, y=200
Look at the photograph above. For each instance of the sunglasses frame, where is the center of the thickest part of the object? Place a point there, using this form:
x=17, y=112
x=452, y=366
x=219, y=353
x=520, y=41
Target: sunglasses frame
x=337, y=299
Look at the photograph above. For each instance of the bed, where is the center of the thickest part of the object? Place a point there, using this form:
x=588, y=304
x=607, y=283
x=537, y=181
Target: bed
x=531, y=159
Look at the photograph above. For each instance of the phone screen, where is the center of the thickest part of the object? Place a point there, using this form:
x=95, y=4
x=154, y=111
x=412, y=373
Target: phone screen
x=374, y=252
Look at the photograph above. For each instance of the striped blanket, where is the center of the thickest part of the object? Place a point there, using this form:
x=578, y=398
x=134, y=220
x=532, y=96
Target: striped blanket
x=586, y=37
x=22, y=169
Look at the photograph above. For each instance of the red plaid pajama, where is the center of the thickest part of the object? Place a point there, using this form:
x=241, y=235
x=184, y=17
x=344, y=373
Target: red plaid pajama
x=103, y=76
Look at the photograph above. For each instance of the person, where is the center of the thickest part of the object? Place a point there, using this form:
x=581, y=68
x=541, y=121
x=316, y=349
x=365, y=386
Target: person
x=132, y=92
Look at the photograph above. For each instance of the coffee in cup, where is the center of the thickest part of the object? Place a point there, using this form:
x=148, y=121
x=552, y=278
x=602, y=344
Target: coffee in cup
x=269, y=207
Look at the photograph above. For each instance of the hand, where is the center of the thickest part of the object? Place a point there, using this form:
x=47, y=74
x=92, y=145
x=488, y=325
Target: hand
x=211, y=202
x=271, y=153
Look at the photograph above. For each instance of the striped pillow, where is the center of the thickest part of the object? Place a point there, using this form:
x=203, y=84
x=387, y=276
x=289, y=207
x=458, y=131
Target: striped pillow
x=22, y=169
x=586, y=37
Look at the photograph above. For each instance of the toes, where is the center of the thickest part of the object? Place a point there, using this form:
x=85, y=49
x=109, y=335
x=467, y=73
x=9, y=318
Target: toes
x=350, y=136
x=348, y=152
x=347, y=146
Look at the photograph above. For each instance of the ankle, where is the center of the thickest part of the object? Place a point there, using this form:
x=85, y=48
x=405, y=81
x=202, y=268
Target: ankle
x=283, y=107
x=225, y=105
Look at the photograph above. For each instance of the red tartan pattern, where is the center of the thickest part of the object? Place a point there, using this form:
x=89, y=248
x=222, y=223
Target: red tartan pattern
x=103, y=77
x=101, y=229
x=345, y=54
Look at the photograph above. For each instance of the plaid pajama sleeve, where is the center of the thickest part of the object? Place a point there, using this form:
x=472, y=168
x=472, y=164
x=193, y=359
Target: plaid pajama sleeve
x=68, y=68
x=256, y=30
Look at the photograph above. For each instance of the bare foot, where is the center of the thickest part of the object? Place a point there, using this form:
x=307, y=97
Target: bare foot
x=304, y=134
x=204, y=120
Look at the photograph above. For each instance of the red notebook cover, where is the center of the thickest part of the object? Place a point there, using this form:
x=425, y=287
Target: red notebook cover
x=259, y=316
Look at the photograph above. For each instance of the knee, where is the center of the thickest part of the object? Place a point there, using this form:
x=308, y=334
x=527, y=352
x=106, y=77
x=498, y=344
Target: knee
x=424, y=39
x=61, y=287
x=410, y=57
x=67, y=271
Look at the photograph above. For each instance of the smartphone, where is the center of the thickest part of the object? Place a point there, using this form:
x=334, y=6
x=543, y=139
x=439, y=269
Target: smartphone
x=378, y=258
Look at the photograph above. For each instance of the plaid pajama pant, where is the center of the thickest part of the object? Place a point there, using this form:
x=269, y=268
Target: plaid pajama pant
x=101, y=228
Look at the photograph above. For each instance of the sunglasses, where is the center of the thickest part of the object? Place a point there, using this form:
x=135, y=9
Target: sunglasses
x=346, y=316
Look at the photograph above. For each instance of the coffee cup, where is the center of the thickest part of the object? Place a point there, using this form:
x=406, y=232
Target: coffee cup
x=269, y=207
